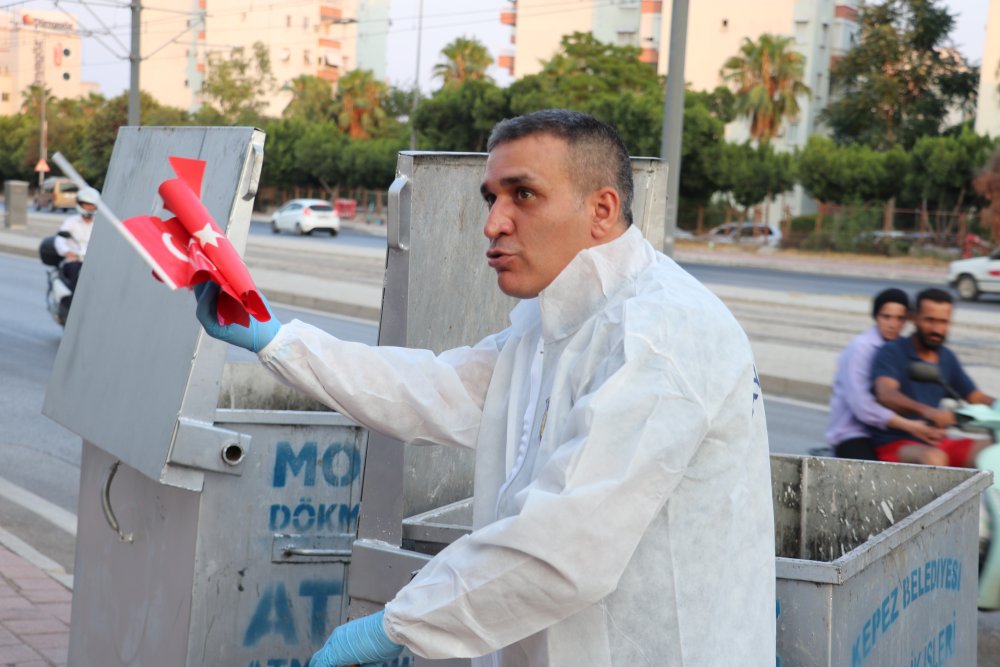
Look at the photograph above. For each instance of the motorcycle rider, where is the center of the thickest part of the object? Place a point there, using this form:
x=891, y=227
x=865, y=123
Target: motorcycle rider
x=897, y=391
x=853, y=408
x=74, y=236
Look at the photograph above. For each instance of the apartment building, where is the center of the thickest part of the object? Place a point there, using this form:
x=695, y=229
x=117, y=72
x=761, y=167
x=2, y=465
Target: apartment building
x=38, y=46
x=323, y=38
x=988, y=105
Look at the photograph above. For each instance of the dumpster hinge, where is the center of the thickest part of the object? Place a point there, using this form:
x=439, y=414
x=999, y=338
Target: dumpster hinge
x=202, y=445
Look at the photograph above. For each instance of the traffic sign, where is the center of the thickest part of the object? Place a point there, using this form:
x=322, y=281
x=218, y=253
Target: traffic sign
x=42, y=166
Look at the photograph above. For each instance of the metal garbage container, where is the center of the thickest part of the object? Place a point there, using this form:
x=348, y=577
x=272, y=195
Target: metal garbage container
x=876, y=562
x=217, y=507
x=15, y=194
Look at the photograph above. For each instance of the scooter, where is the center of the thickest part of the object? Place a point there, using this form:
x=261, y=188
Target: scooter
x=58, y=295
x=976, y=417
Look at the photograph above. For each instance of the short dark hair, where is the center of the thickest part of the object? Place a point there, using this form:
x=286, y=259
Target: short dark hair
x=891, y=295
x=935, y=294
x=599, y=154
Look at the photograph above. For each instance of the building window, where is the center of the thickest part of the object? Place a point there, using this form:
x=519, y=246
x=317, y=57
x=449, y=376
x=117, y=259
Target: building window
x=305, y=56
x=305, y=22
x=288, y=20
x=627, y=38
x=5, y=97
x=725, y=25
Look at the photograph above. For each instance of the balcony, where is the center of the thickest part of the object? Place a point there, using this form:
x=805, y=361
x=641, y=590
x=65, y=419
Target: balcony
x=508, y=17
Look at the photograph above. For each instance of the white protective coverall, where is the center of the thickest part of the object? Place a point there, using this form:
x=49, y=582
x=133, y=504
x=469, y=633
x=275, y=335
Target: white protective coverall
x=633, y=524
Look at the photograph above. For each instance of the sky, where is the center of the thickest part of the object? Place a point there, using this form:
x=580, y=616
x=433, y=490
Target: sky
x=105, y=60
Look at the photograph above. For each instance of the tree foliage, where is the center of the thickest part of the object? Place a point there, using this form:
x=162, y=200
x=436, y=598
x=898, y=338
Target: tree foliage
x=900, y=81
x=359, y=110
x=312, y=99
x=602, y=79
x=464, y=60
x=767, y=79
x=237, y=85
x=460, y=117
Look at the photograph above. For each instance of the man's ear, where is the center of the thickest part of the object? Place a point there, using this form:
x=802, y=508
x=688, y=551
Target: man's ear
x=605, y=206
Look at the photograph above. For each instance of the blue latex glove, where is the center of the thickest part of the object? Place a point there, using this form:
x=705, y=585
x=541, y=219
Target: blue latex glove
x=254, y=337
x=359, y=642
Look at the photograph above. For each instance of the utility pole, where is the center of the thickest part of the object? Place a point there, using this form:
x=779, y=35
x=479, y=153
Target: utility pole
x=43, y=149
x=673, y=117
x=134, y=58
x=416, y=80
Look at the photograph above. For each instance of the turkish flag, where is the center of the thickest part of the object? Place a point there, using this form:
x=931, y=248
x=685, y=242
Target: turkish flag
x=190, y=248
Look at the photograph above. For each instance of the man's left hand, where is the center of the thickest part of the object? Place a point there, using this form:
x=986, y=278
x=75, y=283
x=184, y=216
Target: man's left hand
x=360, y=642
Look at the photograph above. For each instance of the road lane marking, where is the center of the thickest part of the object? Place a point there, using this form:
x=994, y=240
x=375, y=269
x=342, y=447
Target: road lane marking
x=51, y=512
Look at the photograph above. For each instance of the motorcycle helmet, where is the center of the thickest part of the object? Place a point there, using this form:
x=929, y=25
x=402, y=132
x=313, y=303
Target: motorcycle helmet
x=87, y=196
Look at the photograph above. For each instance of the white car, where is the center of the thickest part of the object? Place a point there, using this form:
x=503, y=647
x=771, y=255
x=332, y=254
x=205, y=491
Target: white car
x=975, y=276
x=746, y=232
x=304, y=216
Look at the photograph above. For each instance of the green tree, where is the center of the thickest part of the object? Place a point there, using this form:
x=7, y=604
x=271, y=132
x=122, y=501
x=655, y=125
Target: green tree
x=312, y=99
x=102, y=127
x=464, y=60
x=899, y=82
x=318, y=151
x=282, y=166
x=602, y=79
x=943, y=168
x=767, y=79
x=17, y=133
x=460, y=117
x=238, y=86
x=359, y=105
x=701, y=153
x=751, y=174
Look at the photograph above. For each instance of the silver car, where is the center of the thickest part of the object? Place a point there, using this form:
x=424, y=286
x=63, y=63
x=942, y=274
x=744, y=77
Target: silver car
x=304, y=216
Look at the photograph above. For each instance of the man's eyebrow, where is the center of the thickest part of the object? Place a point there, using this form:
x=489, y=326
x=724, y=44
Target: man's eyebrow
x=517, y=179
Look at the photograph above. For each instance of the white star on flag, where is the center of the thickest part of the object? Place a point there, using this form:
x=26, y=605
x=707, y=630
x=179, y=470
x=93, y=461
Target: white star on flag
x=208, y=236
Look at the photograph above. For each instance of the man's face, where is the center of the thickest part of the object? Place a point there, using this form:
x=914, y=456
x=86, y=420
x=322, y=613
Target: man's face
x=890, y=320
x=537, y=219
x=932, y=321
x=88, y=211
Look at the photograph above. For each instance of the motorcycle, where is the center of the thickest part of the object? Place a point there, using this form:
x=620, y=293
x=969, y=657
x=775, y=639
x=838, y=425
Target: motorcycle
x=58, y=295
x=981, y=418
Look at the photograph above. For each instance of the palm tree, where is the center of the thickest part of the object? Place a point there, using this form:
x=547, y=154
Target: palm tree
x=465, y=60
x=767, y=79
x=359, y=98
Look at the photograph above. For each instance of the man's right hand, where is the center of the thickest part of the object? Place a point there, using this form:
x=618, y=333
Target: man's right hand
x=254, y=337
x=940, y=418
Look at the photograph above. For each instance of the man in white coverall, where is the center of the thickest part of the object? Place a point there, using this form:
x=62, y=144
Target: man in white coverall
x=623, y=511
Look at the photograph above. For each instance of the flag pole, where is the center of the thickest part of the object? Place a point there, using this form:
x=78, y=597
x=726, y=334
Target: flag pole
x=75, y=176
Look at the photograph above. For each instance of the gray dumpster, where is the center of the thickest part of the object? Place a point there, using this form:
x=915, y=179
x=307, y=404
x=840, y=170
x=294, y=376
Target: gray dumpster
x=876, y=562
x=217, y=508
x=15, y=194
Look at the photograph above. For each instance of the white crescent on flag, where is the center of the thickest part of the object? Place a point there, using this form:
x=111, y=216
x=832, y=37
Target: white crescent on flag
x=168, y=241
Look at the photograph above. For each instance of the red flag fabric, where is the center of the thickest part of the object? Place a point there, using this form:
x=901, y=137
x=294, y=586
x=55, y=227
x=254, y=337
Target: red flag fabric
x=190, y=248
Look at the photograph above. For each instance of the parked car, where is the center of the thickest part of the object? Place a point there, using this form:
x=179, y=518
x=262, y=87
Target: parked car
x=746, y=232
x=56, y=193
x=304, y=216
x=975, y=276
